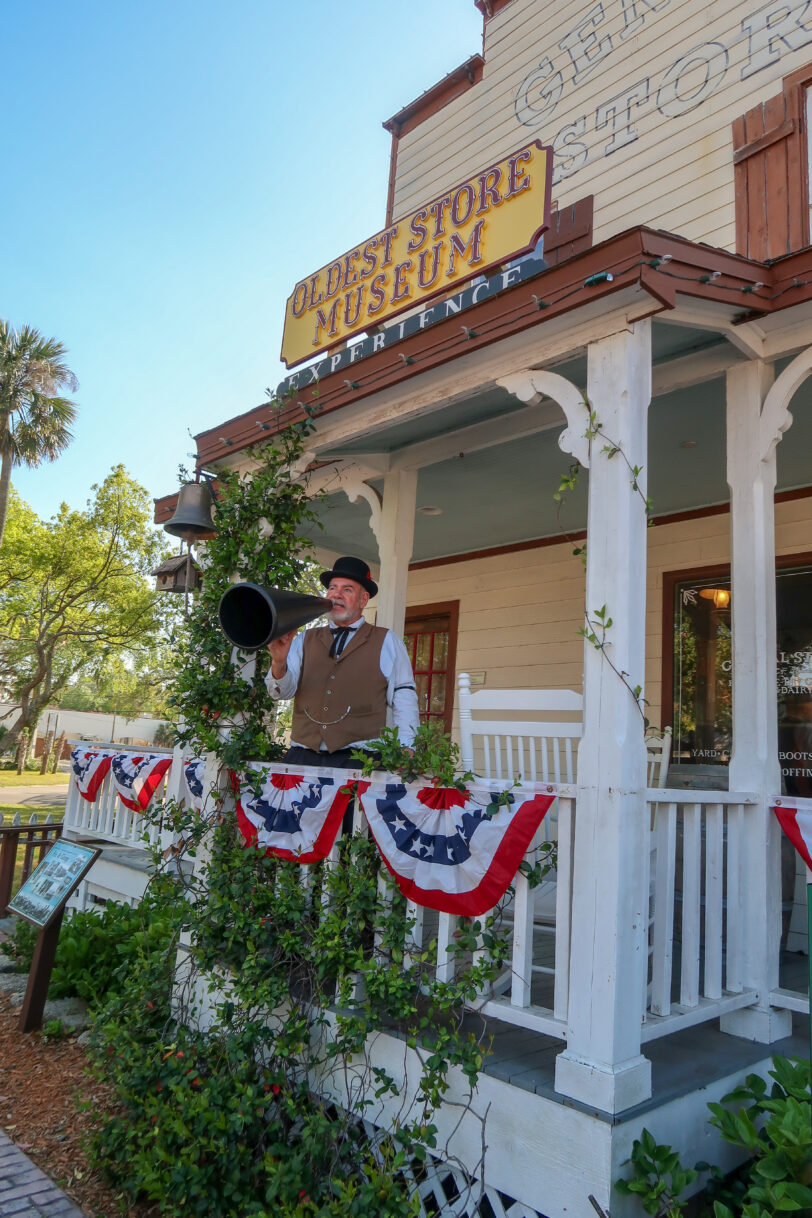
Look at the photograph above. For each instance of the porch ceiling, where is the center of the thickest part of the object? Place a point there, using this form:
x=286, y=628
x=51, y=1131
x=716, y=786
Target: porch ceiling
x=669, y=342
x=503, y=495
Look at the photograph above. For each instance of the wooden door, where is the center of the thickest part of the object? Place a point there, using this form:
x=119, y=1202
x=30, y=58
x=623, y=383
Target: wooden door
x=430, y=636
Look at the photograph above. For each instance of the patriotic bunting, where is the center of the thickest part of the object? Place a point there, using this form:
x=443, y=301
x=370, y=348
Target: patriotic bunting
x=453, y=851
x=294, y=816
x=193, y=773
x=137, y=777
x=90, y=768
x=797, y=824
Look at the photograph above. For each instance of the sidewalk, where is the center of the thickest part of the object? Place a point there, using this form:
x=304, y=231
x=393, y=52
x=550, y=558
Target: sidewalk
x=26, y=1192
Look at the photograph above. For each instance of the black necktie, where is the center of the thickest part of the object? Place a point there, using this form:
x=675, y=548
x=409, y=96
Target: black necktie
x=340, y=635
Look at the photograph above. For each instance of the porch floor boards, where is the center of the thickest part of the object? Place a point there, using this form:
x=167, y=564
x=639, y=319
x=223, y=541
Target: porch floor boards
x=681, y=1063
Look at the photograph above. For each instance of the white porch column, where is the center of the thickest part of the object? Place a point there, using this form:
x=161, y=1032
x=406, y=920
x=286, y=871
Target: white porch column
x=395, y=544
x=602, y=1064
x=754, y=764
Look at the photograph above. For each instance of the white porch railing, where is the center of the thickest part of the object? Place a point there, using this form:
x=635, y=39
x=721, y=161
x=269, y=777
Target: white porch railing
x=108, y=819
x=695, y=941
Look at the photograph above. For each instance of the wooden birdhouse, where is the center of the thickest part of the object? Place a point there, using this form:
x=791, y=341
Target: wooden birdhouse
x=177, y=574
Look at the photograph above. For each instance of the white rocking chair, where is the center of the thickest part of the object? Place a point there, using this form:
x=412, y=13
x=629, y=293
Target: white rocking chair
x=532, y=735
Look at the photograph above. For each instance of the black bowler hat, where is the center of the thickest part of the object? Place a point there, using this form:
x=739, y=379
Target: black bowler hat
x=354, y=569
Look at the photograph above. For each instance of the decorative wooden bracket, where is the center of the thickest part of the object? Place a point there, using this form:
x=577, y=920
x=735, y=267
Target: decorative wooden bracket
x=358, y=490
x=534, y=384
x=776, y=417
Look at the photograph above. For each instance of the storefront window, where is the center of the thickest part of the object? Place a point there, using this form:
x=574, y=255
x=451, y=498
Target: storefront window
x=703, y=674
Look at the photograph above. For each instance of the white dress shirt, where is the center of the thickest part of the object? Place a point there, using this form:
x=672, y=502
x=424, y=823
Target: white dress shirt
x=401, y=695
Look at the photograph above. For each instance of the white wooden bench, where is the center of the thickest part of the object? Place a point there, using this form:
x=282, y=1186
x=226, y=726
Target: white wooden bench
x=528, y=734
x=533, y=735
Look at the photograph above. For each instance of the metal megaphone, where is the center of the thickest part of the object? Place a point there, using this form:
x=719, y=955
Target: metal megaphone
x=251, y=617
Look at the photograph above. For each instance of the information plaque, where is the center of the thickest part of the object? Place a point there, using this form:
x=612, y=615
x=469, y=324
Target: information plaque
x=44, y=893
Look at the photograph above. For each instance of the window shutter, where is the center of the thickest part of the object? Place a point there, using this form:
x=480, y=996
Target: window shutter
x=570, y=231
x=770, y=177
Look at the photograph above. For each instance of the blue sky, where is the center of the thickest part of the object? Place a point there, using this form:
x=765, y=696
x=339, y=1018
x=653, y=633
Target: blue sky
x=172, y=167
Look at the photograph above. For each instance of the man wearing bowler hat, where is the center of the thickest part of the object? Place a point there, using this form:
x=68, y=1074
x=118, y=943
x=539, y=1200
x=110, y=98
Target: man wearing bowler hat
x=342, y=677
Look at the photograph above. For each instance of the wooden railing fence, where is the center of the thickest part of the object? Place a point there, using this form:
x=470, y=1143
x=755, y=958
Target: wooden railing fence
x=31, y=842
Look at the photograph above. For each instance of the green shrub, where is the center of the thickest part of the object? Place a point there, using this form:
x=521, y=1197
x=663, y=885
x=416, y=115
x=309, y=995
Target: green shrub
x=20, y=946
x=53, y=1029
x=98, y=947
x=237, y=1122
x=774, y=1128
x=658, y=1179
x=432, y=754
x=227, y=1122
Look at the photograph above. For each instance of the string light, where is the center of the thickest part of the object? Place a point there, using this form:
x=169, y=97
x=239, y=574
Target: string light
x=659, y=262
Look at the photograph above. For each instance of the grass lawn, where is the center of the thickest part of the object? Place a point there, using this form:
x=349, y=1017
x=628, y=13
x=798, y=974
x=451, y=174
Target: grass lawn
x=25, y=811
x=10, y=778
x=8, y=810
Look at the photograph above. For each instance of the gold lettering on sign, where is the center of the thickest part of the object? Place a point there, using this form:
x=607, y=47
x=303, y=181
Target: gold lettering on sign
x=495, y=216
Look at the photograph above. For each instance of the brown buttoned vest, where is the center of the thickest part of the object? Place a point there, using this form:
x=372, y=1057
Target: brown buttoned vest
x=340, y=700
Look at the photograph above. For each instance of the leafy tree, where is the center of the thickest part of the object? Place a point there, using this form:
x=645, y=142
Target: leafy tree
x=35, y=420
x=259, y=537
x=75, y=592
x=128, y=687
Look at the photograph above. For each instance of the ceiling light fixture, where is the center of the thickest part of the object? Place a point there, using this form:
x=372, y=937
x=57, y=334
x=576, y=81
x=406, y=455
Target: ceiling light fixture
x=719, y=596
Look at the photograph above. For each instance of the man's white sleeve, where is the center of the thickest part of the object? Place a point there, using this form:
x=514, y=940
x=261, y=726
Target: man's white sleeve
x=286, y=686
x=401, y=693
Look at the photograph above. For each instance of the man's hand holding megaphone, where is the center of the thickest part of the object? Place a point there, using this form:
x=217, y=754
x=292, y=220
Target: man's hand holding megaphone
x=279, y=649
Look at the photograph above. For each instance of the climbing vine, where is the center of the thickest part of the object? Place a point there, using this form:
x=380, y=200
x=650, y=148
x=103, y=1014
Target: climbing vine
x=246, y=1062
x=597, y=622
x=219, y=697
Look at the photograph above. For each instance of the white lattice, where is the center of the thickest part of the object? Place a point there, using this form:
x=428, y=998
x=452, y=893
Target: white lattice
x=447, y=1191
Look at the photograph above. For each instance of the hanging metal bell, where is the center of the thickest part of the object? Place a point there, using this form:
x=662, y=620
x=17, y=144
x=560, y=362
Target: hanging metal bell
x=193, y=519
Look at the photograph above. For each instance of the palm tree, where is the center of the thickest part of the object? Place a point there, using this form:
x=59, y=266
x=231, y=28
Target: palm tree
x=35, y=420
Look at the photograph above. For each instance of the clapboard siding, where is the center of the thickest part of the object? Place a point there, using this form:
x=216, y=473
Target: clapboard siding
x=520, y=611
x=678, y=174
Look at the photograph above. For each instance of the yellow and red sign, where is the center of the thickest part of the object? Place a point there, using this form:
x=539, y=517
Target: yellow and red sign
x=496, y=215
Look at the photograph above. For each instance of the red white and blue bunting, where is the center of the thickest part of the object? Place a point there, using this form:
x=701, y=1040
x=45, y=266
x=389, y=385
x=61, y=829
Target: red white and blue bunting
x=449, y=850
x=90, y=768
x=193, y=773
x=454, y=851
x=797, y=824
x=293, y=816
x=137, y=777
